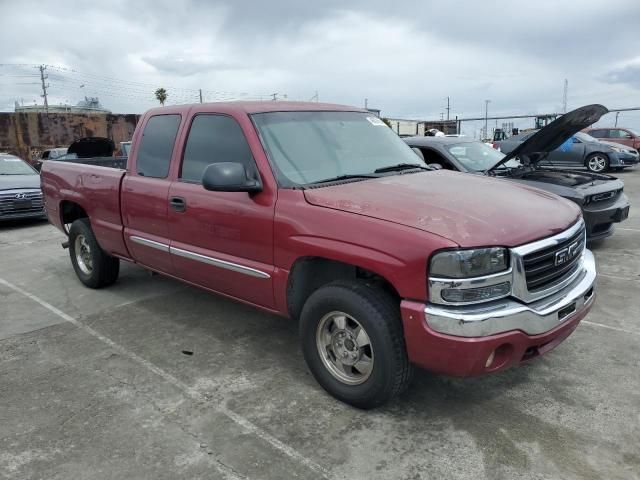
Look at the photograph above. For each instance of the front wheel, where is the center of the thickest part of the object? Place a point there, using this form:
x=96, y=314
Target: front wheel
x=94, y=267
x=353, y=342
x=597, y=163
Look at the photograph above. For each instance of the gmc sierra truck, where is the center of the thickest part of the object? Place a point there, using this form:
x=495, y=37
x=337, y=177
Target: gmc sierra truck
x=321, y=213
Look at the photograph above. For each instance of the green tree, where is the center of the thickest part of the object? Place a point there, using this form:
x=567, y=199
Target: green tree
x=161, y=95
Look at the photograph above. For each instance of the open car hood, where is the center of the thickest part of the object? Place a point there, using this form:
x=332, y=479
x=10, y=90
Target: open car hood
x=555, y=134
x=92, y=147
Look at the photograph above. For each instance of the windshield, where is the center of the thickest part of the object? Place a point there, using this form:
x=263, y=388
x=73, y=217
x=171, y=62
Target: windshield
x=14, y=166
x=308, y=147
x=478, y=157
x=583, y=137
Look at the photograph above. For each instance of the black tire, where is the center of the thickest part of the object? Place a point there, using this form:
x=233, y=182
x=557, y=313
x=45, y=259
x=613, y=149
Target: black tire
x=379, y=315
x=104, y=268
x=590, y=163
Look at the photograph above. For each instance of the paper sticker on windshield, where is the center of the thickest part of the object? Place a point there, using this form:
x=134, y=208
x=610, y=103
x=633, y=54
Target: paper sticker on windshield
x=376, y=121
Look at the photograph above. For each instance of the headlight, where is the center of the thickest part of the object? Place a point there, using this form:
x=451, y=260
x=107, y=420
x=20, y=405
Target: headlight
x=617, y=149
x=469, y=263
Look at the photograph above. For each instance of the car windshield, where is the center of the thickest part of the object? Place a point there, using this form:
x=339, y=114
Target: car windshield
x=633, y=132
x=10, y=165
x=478, y=157
x=310, y=147
x=584, y=137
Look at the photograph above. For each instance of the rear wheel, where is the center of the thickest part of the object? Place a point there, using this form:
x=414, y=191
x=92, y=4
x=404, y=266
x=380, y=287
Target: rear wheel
x=597, y=162
x=93, y=266
x=353, y=343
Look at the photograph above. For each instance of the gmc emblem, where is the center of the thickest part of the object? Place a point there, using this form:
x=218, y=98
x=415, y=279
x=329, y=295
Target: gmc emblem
x=567, y=254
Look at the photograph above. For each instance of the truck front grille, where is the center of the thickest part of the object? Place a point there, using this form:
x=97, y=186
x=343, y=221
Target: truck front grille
x=553, y=264
x=20, y=202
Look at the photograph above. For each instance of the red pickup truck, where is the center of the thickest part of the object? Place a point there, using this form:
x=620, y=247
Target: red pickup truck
x=321, y=213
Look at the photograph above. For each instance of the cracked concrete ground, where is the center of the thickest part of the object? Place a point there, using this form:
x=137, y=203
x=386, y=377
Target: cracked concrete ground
x=95, y=384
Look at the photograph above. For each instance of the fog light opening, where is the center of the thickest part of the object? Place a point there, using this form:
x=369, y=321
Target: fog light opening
x=490, y=359
x=588, y=295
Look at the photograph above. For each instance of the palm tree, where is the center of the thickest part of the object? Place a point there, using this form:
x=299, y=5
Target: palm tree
x=161, y=95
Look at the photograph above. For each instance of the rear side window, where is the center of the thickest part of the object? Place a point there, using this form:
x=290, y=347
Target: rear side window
x=214, y=139
x=599, y=133
x=156, y=145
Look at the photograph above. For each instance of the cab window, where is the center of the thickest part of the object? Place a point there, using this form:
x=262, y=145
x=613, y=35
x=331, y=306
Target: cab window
x=214, y=139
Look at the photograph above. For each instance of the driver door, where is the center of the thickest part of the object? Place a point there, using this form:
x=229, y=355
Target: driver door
x=569, y=154
x=222, y=241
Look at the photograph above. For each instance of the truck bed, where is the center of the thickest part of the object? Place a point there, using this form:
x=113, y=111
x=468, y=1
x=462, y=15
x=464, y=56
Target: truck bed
x=95, y=189
x=111, y=162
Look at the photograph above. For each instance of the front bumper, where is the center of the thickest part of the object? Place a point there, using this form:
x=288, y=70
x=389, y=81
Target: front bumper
x=626, y=160
x=599, y=219
x=23, y=215
x=474, y=340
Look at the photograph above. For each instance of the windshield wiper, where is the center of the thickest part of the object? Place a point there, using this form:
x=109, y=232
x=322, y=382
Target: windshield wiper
x=344, y=177
x=399, y=167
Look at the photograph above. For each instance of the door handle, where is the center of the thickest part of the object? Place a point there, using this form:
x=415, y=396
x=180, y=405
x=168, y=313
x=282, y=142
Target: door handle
x=178, y=204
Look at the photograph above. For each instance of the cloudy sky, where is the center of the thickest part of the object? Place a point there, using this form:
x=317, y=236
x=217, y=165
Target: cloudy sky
x=404, y=57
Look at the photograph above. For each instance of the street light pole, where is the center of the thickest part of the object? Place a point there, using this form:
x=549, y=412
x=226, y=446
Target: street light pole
x=486, y=118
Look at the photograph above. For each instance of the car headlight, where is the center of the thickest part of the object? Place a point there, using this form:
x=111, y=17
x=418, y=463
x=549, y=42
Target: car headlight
x=617, y=149
x=469, y=263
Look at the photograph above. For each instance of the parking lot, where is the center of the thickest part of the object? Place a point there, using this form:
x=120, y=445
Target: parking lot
x=154, y=379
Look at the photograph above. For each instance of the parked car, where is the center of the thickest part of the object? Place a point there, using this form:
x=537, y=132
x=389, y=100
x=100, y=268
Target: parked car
x=321, y=213
x=624, y=136
x=20, y=194
x=580, y=151
x=601, y=197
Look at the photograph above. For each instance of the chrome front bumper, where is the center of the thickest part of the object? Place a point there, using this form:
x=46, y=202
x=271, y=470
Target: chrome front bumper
x=507, y=314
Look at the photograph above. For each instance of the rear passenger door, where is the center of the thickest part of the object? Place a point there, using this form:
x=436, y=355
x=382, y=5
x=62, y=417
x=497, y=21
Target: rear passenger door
x=221, y=240
x=145, y=192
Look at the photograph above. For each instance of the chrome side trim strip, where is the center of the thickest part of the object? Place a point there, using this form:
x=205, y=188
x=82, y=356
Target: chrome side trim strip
x=150, y=243
x=216, y=262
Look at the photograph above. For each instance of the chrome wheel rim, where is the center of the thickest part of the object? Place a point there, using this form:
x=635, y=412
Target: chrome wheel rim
x=83, y=255
x=597, y=163
x=345, y=348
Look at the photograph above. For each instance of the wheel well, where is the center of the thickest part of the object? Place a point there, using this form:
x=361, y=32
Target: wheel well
x=310, y=273
x=71, y=211
x=596, y=153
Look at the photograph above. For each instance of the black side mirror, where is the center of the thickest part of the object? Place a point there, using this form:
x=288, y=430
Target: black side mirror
x=435, y=166
x=229, y=177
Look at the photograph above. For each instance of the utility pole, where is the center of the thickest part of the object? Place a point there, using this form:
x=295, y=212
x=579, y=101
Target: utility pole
x=564, y=96
x=486, y=118
x=448, y=108
x=44, y=87
x=616, y=124
x=366, y=103
x=200, y=90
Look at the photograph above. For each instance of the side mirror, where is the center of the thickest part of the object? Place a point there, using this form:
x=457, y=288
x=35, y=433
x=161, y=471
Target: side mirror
x=229, y=177
x=435, y=166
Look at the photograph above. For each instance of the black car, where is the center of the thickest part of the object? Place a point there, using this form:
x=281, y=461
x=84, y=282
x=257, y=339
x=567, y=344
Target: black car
x=20, y=194
x=600, y=196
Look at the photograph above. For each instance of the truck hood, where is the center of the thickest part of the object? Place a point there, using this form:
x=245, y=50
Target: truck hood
x=11, y=182
x=555, y=134
x=469, y=210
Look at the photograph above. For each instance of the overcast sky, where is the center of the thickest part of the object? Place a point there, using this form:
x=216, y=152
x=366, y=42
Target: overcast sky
x=405, y=57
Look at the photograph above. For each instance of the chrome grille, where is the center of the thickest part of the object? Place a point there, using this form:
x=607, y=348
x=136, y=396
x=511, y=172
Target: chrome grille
x=18, y=202
x=553, y=264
